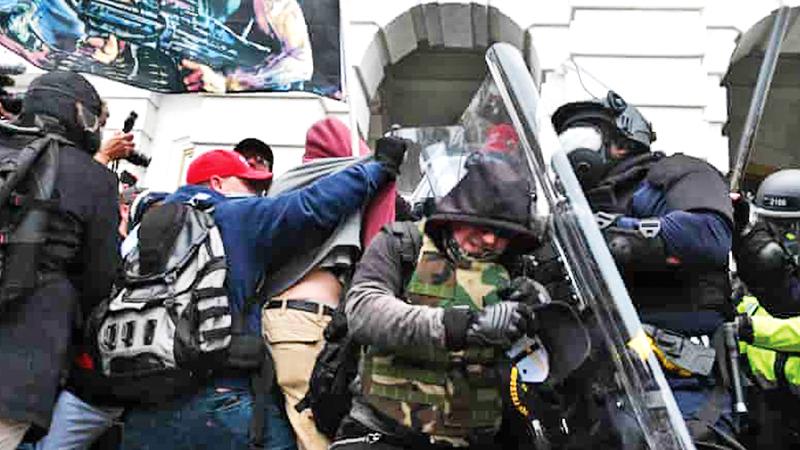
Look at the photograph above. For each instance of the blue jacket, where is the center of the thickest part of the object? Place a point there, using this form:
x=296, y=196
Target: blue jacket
x=259, y=233
x=698, y=237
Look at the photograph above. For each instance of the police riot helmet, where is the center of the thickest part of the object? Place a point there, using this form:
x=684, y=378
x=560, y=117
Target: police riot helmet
x=778, y=197
x=612, y=111
x=587, y=129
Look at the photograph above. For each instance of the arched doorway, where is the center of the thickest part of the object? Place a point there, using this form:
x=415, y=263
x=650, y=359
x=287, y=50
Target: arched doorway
x=422, y=67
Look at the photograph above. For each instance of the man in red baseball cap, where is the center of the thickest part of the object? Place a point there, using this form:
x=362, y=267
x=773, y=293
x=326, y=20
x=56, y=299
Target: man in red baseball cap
x=226, y=171
x=259, y=235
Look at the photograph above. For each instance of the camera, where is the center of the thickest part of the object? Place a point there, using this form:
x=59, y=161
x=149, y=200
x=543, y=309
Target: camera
x=12, y=103
x=135, y=158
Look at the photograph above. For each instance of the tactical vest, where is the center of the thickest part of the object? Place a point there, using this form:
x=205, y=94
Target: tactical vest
x=447, y=395
x=671, y=288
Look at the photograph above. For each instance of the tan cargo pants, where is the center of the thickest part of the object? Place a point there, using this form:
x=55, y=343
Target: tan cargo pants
x=11, y=433
x=295, y=339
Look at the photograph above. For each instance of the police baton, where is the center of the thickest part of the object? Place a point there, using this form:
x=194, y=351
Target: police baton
x=732, y=345
x=760, y=93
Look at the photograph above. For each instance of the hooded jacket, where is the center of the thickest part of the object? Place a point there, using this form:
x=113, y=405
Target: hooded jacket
x=492, y=193
x=327, y=152
x=330, y=138
x=261, y=233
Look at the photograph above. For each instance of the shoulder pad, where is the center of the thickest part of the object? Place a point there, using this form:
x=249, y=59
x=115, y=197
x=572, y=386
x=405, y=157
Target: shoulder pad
x=672, y=168
x=410, y=238
x=691, y=184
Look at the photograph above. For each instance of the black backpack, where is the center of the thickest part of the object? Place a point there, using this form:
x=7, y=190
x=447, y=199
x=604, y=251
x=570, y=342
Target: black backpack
x=27, y=188
x=329, y=396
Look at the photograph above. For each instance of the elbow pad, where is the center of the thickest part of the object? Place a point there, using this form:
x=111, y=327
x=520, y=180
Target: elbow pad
x=631, y=249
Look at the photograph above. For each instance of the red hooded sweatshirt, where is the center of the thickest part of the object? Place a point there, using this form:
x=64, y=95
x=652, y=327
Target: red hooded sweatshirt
x=330, y=138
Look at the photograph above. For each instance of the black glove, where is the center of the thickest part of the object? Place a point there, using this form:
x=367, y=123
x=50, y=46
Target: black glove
x=759, y=258
x=741, y=214
x=390, y=151
x=632, y=251
x=499, y=325
x=526, y=290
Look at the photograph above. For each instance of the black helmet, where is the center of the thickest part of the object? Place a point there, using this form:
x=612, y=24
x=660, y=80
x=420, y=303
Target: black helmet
x=778, y=197
x=611, y=112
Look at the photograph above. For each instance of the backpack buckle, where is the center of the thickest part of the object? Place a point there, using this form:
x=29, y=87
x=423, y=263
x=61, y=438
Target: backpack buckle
x=17, y=200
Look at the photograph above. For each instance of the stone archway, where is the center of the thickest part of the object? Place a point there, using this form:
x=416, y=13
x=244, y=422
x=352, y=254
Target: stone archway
x=422, y=62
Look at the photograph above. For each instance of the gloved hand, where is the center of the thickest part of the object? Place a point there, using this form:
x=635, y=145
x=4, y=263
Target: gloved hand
x=526, y=290
x=741, y=213
x=500, y=324
x=390, y=151
x=759, y=258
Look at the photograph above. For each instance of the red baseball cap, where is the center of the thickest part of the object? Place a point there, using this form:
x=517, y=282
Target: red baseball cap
x=223, y=163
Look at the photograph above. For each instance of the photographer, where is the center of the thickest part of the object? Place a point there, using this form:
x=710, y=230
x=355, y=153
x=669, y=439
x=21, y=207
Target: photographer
x=76, y=263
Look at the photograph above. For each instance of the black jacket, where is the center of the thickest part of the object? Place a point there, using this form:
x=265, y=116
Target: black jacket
x=81, y=257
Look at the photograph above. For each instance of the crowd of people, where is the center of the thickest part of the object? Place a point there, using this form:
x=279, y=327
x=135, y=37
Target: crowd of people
x=244, y=312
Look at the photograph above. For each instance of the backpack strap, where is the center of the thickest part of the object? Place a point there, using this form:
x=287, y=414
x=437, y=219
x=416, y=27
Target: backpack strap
x=409, y=238
x=262, y=377
x=261, y=385
x=39, y=159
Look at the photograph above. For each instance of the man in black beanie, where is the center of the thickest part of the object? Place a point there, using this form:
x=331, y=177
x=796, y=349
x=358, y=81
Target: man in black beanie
x=76, y=262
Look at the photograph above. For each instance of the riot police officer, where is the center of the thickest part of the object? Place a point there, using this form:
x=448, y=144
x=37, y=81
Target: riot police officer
x=668, y=224
x=767, y=253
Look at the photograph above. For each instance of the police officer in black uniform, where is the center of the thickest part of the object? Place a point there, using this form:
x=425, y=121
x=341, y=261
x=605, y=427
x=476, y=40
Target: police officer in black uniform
x=668, y=223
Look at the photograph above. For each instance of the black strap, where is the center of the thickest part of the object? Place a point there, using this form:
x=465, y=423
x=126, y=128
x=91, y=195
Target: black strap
x=217, y=333
x=213, y=312
x=261, y=385
x=708, y=415
x=209, y=292
x=780, y=369
x=303, y=404
x=410, y=241
x=261, y=382
x=309, y=306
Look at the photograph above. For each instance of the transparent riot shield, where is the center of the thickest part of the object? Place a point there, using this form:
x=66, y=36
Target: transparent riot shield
x=505, y=118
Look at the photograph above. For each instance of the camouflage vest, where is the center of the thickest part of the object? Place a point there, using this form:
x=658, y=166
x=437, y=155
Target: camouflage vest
x=446, y=395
